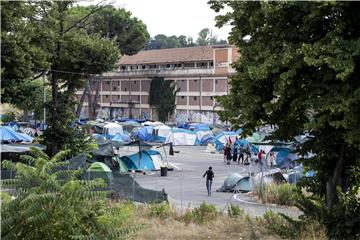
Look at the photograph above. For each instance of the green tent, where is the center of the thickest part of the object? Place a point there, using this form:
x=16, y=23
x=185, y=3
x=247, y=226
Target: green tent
x=99, y=167
x=122, y=166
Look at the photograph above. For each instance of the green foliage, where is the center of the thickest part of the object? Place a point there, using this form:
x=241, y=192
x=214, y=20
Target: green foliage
x=8, y=117
x=162, y=96
x=288, y=228
x=53, y=204
x=109, y=22
x=235, y=211
x=203, y=214
x=282, y=194
x=300, y=72
x=162, y=210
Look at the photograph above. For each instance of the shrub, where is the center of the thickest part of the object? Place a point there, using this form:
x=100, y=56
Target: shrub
x=162, y=210
x=282, y=194
x=201, y=215
x=235, y=211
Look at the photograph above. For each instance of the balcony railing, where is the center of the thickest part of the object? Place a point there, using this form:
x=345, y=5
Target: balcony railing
x=161, y=72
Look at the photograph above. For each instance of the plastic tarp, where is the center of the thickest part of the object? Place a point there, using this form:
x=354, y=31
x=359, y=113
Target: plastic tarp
x=182, y=137
x=197, y=127
x=112, y=129
x=7, y=134
x=225, y=137
x=145, y=160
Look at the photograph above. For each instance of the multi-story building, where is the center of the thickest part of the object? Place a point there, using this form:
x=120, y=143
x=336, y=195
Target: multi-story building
x=200, y=73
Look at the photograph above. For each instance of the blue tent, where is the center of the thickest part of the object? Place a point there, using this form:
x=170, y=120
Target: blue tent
x=144, y=133
x=148, y=160
x=9, y=135
x=284, y=157
x=121, y=137
x=198, y=127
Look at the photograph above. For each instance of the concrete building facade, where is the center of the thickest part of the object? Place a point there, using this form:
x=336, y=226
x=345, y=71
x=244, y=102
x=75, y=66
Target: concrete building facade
x=200, y=73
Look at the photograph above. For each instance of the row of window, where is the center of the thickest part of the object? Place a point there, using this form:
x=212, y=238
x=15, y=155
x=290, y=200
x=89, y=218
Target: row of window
x=166, y=66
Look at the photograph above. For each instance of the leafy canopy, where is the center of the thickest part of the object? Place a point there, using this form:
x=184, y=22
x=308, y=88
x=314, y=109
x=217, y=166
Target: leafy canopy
x=300, y=72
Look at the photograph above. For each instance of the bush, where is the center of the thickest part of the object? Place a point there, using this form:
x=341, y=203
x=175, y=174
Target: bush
x=202, y=214
x=286, y=227
x=235, y=211
x=282, y=194
x=162, y=210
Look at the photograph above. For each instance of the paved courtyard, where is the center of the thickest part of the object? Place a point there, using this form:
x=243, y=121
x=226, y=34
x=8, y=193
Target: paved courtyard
x=186, y=185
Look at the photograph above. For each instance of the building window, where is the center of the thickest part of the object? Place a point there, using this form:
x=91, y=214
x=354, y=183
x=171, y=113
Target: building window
x=195, y=98
x=143, y=66
x=211, y=98
x=183, y=80
x=123, y=68
x=107, y=96
x=182, y=97
x=211, y=64
x=168, y=65
x=125, y=89
x=134, y=82
x=216, y=81
x=195, y=80
x=114, y=88
x=108, y=82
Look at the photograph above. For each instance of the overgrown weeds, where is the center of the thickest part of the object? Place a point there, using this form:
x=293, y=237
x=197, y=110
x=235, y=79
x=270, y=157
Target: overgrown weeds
x=282, y=194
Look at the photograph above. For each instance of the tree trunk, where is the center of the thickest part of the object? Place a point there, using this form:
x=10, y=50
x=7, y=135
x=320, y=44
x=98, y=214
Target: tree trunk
x=82, y=99
x=335, y=180
x=95, y=98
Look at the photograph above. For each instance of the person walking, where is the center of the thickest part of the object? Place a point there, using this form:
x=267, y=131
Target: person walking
x=209, y=178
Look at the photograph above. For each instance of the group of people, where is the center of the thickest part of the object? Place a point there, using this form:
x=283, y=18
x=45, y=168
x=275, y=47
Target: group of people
x=241, y=154
x=237, y=154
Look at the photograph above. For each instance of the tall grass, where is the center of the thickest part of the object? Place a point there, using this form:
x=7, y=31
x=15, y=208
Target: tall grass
x=282, y=194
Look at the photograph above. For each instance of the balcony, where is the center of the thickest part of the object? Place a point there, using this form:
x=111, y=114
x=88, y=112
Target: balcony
x=161, y=72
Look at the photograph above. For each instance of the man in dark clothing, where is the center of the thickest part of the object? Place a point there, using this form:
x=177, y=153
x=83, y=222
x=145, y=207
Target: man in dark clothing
x=209, y=177
x=235, y=152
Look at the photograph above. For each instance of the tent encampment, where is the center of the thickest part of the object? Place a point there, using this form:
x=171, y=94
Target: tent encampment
x=144, y=160
x=144, y=133
x=183, y=137
x=112, y=129
x=121, y=137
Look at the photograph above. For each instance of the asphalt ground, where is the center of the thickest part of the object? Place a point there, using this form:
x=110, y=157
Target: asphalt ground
x=186, y=187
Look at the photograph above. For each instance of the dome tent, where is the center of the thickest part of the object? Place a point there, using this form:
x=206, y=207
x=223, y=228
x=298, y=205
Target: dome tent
x=182, y=137
x=7, y=134
x=236, y=182
x=145, y=160
x=112, y=129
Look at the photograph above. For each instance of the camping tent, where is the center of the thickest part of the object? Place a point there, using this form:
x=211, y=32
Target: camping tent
x=225, y=137
x=160, y=132
x=144, y=160
x=9, y=135
x=283, y=156
x=121, y=137
x=245, y=143
x=180, y=136
x=236, y=182
x=144, y=133
x=112, y=129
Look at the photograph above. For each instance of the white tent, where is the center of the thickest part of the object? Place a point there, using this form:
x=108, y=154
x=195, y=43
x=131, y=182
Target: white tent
x=202, y=133
x=162, y=130
x=113, y=129
x=181, y=137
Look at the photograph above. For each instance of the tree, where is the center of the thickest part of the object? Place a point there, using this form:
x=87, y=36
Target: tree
x=203, y=37
x=50, y=202
x=58, y=42
x=115, y=24
x=162, y=96
x=300, y=71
